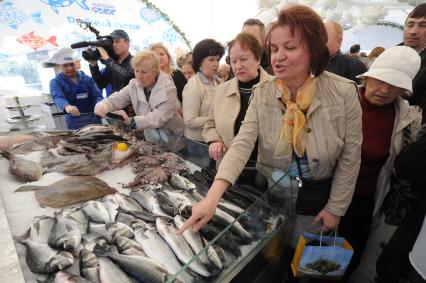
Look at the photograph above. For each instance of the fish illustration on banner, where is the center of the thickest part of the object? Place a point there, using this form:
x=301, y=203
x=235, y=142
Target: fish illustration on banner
x=35, y=41
x=150, y=15
x=76, y=37
x=55, y=4
x=13, y=17
x=170, y=36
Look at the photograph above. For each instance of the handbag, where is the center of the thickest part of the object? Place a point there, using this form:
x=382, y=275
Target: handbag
x=313, y=195
x=402, y=195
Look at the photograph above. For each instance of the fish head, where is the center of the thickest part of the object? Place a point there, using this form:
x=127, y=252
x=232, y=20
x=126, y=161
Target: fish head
x=61, y=260
x=88, y=259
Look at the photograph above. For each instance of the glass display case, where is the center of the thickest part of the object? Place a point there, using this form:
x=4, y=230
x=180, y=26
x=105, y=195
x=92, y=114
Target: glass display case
x=263, y=212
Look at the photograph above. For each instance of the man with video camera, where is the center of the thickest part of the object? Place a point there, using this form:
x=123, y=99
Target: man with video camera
x=118, y=71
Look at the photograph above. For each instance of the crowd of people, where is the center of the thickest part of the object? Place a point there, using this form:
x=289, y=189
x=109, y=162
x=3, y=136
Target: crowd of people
x=349, y=127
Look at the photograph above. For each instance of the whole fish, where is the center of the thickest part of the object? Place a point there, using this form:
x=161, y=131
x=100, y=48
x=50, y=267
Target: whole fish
x=112, y=207
x=110, y=273
x=96, y=211
x=181, y=182
x=236, y=226
x=194, y=240
x=141, y=267
x=166, y=204
x=111, y=230
x=158, y=250
x=123, y=201
x=179, y=246
x=210, y=232
x=90, y=241
x=41, y=258
x=68, y=191
x=23, y=169
x=148, y=200
x=127, y=246
x=80, y=216
x=39, y=143
x=40, y=228
x=142, y=215
x=89, y=266
x=64, y=277
x=65, y=234
x=180, y=200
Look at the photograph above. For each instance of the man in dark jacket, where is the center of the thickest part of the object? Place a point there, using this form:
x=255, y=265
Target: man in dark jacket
x=118, y=71
x=340, y=64
x=415, y=37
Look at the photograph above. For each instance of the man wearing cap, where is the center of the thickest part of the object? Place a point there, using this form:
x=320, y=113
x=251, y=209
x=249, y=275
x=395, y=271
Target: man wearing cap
x=73, y=91
x=415, y=37
x=118, y=71
x=340, y=64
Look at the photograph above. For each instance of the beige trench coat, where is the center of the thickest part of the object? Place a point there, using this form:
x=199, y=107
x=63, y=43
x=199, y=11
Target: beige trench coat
x=334, y=136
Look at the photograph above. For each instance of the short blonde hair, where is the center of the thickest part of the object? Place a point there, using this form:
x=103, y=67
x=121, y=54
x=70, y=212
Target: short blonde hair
x=169, y=68
x=150, y=57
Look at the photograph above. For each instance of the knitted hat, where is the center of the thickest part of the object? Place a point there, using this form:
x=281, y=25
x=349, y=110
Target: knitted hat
x=396, y=66
x=63, y=56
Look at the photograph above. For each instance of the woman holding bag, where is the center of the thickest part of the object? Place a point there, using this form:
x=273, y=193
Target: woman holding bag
x=305, y=119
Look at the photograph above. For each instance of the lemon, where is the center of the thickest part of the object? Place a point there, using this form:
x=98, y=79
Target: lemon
x=121, y=146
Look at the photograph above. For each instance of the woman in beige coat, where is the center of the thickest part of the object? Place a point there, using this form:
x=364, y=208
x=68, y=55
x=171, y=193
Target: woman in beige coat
x=198, y=97
x=153, y=96
x=231, y=98
x=307, y=122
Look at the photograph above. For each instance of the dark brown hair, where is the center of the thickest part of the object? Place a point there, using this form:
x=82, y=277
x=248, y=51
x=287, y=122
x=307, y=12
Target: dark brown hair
x=249, y=42
x=205, y=48
x=309, y=24
x=418, y=12
x=254, y=22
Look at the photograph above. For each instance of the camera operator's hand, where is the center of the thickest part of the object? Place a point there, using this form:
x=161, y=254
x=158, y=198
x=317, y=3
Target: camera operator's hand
x=101, y=109
x=93, y=63
x=123, y=114
x=103, y=52
x=72, y=110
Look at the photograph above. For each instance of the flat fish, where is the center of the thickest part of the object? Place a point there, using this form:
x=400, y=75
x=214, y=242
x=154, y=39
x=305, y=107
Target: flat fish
x=41, y=143
x=69, y=190
x=23, y=169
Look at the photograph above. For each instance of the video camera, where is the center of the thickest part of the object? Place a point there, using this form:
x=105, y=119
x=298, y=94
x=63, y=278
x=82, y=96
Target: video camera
x=92, y=53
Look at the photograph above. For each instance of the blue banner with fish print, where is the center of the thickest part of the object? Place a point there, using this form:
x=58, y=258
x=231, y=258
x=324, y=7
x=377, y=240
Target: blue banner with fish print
x=31, y=26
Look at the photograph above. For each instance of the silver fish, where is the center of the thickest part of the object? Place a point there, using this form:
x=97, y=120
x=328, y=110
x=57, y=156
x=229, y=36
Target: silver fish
x=195, y=241
x=64, y=277
x=96, y=211
x=110, y=273
x=180, y=200
x=127, y=246
x=157, y=249
x=90, y=241
x=80, y=216
x=148, y=200
x=40, y=229
x=112, y=207
x=89, y=266
x=236, y=226
x=182, y=182
x=23, y=169
x=111, y=230
x=41, y=258
x=123, y=201
x=143, y=268
x=179, y=246
x=65, y=234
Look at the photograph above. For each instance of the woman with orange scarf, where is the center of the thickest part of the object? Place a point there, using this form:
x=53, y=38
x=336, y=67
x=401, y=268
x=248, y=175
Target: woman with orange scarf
x=307, y=121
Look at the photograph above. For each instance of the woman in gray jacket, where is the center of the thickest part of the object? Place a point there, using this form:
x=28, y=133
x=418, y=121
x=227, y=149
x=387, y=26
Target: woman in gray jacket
x=153, y=96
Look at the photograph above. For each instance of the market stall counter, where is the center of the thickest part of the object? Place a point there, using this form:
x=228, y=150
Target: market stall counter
x=101, y=203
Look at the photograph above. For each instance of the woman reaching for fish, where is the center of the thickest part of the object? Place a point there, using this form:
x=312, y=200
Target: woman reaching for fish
x=153, y=96
x=307, y=122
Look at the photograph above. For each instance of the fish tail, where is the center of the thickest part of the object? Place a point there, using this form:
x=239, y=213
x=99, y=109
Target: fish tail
x=52, y=40
x=28, y=188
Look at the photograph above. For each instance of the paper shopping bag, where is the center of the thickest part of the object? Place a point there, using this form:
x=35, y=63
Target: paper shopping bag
x=320, y=256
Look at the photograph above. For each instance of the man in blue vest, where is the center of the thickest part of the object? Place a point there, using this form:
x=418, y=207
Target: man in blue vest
x=73, y=91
